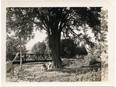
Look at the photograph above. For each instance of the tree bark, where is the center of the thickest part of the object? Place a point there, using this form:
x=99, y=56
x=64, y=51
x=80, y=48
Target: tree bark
x=55, y=48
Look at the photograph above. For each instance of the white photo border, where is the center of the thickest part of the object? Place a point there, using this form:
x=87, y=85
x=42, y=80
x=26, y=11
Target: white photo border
x=108, y=4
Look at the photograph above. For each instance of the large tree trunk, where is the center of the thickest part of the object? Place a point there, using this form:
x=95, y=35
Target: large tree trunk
x=55, y=48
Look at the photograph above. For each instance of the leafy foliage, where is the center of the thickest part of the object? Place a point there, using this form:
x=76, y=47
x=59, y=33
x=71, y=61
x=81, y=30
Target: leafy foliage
x=81, y=51
x=67, y=48
x=12, y=47
x=19, y=20
x=40, y=46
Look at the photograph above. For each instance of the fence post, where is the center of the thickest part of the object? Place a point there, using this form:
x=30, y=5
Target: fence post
x=20, y=54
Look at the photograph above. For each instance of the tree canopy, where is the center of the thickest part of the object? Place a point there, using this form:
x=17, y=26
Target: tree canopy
x=24, y=20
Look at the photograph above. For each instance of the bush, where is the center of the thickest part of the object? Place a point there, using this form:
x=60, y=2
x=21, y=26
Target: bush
x=67, y=48
x=95, y=64
x=81, y=51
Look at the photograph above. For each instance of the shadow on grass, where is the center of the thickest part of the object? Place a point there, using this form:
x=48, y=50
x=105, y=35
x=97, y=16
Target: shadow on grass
x=76, y=71
x=31, y=61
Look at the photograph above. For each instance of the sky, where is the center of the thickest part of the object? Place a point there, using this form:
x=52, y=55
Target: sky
x=39, y=37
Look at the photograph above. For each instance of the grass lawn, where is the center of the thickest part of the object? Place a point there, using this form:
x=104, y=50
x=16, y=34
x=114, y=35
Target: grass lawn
x=31, y=72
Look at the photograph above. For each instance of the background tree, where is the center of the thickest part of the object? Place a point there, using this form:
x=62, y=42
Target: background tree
x=13, y=47
x=54, y=21
x=18, y=20
x=40, y=46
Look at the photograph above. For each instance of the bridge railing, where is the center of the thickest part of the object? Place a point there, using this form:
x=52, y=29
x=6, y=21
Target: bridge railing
x=32, y=56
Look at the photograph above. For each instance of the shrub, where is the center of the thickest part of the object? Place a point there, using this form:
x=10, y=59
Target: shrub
x=67, y=48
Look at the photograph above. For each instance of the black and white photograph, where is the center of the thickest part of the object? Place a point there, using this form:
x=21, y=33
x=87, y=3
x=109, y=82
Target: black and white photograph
x=56, y=44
